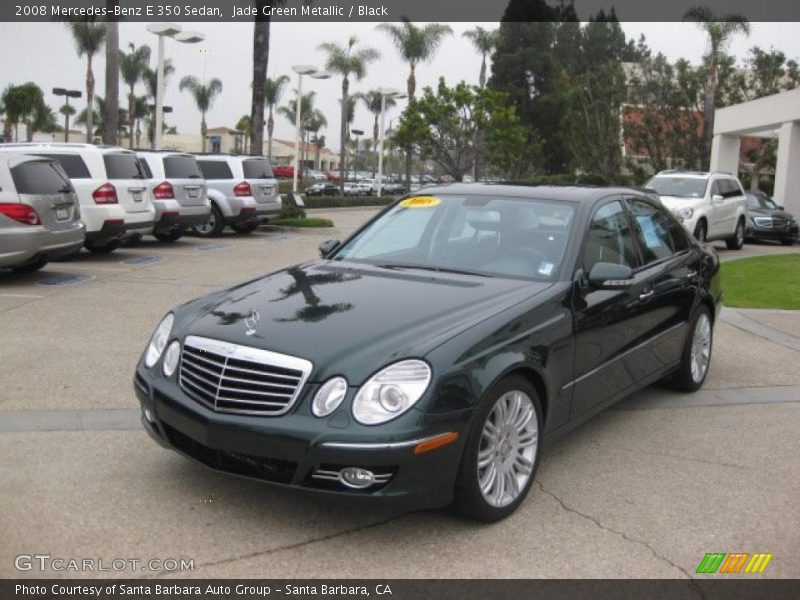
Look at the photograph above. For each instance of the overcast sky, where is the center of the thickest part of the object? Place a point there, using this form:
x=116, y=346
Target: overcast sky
x=43, y=53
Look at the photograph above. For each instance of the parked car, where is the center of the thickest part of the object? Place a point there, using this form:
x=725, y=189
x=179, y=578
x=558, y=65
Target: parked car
x=285, y=172
x=243, y=193
x=351, y=188
x=315, y=175
x=710, y=205
x=428, y=357
x=333, y=176
x=39, y=216
x=178, y=190
x=768, y=221
x=322, y=189
x=111, y=188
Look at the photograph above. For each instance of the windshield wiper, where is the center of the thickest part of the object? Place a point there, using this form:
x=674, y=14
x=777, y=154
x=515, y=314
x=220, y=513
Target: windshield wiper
x=433, y=268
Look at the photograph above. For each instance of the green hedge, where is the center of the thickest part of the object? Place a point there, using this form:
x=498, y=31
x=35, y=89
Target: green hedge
x=343, y=201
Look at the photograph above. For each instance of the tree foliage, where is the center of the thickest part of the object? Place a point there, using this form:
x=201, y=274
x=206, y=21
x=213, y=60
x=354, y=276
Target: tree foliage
x=443, y=125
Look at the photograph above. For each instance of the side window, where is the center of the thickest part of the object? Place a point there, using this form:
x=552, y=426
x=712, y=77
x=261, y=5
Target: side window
x=716, y=188
x=609, y=238
x=215, y=169
x=654, y=232
x=72, y=164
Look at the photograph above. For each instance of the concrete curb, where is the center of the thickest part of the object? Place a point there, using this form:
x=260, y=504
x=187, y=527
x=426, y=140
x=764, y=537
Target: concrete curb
x=748, y=325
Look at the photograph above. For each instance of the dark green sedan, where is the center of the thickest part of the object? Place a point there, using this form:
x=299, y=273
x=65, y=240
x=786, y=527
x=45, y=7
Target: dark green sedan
x=429, y=357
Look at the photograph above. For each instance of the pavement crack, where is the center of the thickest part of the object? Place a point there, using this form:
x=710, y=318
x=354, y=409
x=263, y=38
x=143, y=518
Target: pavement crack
x=687, y=458
x=296, y=545
x=626, y=537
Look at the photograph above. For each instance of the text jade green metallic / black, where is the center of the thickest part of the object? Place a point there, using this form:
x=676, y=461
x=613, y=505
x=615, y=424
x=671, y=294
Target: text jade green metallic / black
x=427, y=358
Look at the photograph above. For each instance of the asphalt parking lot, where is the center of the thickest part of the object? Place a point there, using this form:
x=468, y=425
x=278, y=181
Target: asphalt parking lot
x=642, y=490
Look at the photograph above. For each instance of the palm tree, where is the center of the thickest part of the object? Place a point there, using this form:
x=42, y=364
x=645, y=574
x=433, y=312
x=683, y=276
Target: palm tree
x=204, y=96
x=373, y=100
x=261, y=32
x=313, y=124
x=244, y=124
x=141, y=110
x=306, y=111
x=719, y=30
x=273, y=88
x=347, y=60
x=415, y=45
x=112, y=77
x=133, y=65
x=484, y=41
x=150, y=78
x=89, y=38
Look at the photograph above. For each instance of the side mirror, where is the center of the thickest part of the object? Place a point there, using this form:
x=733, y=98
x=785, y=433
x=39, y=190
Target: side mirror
x=611, y=276
x=328, y=246
x=717, y=198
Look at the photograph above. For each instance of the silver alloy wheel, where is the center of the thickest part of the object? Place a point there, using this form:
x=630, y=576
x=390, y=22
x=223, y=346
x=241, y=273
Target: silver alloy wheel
x=740, y=234
x=209, y=225
x=507, y=449
x=701, y=348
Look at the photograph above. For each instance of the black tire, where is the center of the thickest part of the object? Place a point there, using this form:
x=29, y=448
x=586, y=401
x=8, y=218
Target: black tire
x=246, y=227
x=789, y=242
x=701, y=231
x=737, y=241
x=31, y=267
x=102, y=246
x=468, y=499
x=169, y=235
x=131, y=240
x=683, y=379
x=214, y=226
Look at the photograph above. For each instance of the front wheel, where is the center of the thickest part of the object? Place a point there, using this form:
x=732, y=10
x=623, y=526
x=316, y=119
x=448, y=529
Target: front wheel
x=737, y=241
x=789, y=242
x=501, y=452
x=696, y=356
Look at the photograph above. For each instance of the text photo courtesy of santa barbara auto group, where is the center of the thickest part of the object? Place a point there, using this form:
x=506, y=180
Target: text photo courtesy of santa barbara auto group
x=409, y=300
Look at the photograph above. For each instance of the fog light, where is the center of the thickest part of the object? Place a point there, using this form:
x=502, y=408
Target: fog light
x=148, y=416
x=356, y=477
x=171, y=357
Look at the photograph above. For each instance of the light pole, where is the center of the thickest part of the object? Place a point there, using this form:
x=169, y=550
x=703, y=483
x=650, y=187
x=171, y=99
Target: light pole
x=165, y=30
x=316, y=74
x=164, y=110
x=385, y=93
x=67, y=95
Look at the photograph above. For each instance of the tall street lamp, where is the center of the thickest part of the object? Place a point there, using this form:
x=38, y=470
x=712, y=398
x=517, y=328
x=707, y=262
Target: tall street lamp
x=164, y=110
x=301, y=70
x=385, y=93
x=67, y=95
x=165, y=30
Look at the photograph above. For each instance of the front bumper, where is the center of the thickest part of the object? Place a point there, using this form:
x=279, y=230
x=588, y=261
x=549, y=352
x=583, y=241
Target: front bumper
x=789, y=232
x=290, y=449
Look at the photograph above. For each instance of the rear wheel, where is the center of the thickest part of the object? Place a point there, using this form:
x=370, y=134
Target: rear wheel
x=102, y=246
x=737, y=241
x=701, y=231
x=31, y=267
x=214, y=225
x=696, y=356
x=501, y=453
x=246, y=227
x=168, y=235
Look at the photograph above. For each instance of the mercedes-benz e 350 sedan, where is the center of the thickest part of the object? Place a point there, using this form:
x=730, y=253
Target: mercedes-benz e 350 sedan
x=428, y=357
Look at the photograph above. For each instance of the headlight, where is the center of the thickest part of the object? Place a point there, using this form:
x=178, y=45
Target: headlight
x=391, y=392
x=171, y=357
x=159, y=341
x=329, y=397
x=684, y=212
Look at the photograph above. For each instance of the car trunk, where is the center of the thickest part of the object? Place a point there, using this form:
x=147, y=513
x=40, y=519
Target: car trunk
x=187, y=181
x=125, y=174
x=43, y=185
x=258, y=174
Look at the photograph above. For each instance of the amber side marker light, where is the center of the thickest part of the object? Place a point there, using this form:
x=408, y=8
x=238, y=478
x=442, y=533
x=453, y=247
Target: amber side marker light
x=437, y=442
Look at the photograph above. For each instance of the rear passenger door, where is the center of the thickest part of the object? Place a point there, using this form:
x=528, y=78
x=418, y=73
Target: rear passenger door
x=670, y=269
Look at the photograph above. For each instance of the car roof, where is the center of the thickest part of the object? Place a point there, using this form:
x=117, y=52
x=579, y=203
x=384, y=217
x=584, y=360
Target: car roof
x=63, y=147
x=693, y=174
x=568, y=193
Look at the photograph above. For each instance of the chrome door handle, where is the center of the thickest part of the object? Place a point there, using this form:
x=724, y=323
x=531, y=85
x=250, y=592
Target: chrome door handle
x=691, y=274
x=646, y=295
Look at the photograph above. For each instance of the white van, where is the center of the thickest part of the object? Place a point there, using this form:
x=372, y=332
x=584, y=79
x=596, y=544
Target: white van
x=112, y=190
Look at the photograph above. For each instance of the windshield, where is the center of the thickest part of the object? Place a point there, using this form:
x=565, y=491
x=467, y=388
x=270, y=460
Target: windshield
x=481, y=235
x=681, y=187
x=758, y=201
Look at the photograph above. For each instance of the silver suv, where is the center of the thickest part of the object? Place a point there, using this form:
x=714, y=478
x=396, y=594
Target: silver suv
x=242, y=190
x=178, y=190
x=39, y=216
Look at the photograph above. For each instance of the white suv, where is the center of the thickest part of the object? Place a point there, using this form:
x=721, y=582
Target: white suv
x=178, y=190
x=242, y=190
x=710, y=205
x=112, y=191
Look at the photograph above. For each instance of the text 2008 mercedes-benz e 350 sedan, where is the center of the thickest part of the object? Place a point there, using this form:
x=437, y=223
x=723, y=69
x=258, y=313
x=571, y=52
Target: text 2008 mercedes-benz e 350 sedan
x=428, y=357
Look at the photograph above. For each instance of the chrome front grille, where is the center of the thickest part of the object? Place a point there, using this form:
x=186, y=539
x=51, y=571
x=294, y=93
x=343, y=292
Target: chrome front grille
x=778, y=223
x=231, y=378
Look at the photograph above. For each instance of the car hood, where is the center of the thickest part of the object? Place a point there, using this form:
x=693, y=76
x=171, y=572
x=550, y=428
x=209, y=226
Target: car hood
x=769, y=212
x=350, y=318
x=673, y=202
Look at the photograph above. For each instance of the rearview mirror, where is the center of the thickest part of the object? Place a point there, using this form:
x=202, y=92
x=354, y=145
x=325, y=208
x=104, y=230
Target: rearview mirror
x=611, y=276
x=328, y=246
